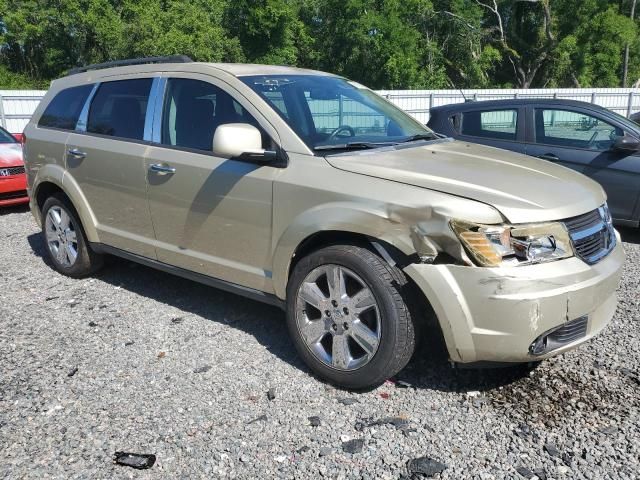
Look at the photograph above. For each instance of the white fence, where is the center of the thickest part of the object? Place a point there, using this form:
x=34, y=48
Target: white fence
x=624, y=101
x=17, y=106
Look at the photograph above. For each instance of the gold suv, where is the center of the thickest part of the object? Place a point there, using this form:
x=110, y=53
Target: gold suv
x=309, y=191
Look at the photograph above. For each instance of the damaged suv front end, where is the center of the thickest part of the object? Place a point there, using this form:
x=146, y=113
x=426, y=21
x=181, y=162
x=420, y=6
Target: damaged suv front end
x=525, y=292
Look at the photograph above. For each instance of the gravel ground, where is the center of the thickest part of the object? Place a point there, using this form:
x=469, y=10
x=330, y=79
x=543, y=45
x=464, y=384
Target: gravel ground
x=141, y=361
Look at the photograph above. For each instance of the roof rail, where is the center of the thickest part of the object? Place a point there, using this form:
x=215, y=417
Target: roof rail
x=132, y=61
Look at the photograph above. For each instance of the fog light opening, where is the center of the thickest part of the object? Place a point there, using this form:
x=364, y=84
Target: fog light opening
x=539, y=346
x=560, y=336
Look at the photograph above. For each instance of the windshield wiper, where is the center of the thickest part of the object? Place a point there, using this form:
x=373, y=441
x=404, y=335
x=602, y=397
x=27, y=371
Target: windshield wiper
x=354, y=146
x=420, y=136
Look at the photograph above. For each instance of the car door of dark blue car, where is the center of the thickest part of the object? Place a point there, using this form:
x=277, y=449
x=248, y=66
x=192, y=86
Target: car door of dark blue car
x=582, y=139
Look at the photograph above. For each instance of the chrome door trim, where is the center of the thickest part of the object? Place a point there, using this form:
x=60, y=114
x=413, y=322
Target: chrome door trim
x=76, y=153
x=149, y=118
x=161, y=168
x=81, y=124
x=158, y=103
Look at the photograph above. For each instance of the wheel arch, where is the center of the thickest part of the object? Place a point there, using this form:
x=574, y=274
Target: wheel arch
x=53, y=180
x=331, y=224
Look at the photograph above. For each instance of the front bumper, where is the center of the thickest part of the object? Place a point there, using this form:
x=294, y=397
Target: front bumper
x=495, y=314
x=13, y=190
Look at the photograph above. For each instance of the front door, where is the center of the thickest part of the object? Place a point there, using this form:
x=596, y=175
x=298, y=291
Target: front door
x=211, y=215
x=107, y=161
x=582, y=141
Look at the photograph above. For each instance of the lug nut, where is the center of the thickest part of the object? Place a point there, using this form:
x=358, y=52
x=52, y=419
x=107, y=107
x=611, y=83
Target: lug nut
x=334, y=303
x=345, y=310
x=334, y=326
x=345, y=325
x=327, y=313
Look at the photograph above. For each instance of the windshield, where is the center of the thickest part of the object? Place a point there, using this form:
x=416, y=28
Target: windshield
x=629, y=124
x=331, y=112
x=6, y=137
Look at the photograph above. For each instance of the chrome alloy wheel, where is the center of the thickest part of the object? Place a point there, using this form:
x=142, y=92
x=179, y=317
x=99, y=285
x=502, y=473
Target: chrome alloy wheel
x=338, y=317
x=61, y=236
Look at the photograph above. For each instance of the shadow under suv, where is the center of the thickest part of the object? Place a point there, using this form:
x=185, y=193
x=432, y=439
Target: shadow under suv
x=311, y=192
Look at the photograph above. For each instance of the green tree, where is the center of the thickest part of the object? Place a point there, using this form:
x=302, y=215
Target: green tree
x=189, y=27
x=381, y=43
x=374, y=42
x=269, y=31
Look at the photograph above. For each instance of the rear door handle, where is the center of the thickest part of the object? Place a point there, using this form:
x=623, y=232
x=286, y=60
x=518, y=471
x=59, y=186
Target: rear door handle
x=550, y=156
x=161, y=169
x=76, y=153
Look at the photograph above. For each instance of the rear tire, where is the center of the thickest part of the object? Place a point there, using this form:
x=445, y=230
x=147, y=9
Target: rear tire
x=349, y=315
x=65, y=241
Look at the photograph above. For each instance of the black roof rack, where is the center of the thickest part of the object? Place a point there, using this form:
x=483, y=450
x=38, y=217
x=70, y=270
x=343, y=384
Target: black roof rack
x=132, y=61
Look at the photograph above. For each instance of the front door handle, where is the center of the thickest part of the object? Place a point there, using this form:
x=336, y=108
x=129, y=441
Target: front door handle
x=161, y=169
x=550, y=156
x=76, y=153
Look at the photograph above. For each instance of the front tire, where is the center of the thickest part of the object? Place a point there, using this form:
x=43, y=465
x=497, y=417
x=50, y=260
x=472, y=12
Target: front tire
x=65, y=240
x=349, y=317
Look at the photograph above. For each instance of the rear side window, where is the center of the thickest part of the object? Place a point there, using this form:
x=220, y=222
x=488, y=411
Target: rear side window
x=498, y=124
x=63, y=111
x=118, y=108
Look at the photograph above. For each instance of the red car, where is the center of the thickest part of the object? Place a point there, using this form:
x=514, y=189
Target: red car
x=13, y=181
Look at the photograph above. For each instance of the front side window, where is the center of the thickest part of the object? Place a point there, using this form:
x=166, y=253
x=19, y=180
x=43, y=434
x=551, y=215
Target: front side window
x=498, y=124
x=118, y=108
x=328, y=111
x=565, y=128
x=193, y=109
x=63, y=111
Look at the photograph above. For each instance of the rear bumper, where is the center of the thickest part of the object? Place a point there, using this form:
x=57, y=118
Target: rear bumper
x=13, y=190
x=496, y=314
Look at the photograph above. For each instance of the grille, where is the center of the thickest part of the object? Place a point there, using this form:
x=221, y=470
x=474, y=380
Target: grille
x=8, y=172
x=592, y=234
x=12, y=195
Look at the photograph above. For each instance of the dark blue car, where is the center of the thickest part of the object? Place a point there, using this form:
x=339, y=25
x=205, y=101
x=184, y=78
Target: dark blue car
x=585, y=137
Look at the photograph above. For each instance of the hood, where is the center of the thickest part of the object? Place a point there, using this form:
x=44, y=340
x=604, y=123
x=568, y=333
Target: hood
x=524, y=189
x=10, y=155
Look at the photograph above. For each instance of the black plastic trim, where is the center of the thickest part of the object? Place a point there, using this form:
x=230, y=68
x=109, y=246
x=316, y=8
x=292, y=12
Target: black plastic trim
x=246, y=292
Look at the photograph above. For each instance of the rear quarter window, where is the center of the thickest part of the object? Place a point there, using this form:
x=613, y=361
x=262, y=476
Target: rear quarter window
x=64, y=109
x=498, y=124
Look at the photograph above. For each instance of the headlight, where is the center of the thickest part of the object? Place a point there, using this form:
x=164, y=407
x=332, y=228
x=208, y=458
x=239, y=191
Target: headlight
x=507, y=245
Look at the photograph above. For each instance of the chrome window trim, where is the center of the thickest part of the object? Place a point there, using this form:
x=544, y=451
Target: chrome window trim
x=149, y=117
x=158, y=101
x=81, y=124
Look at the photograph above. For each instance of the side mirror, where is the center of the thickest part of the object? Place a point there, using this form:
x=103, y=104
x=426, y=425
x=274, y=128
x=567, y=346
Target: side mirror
x=626, y=143
x=242, y=141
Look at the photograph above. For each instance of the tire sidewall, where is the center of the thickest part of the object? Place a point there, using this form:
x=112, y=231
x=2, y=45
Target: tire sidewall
x=82, y=263
x=373, y=372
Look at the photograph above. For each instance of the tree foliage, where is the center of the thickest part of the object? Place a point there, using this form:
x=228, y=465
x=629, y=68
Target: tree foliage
x=381, y=43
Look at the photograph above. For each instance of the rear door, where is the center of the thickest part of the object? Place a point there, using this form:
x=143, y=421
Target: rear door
x=105, y=156
x=581, y=139
x=496, y=127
